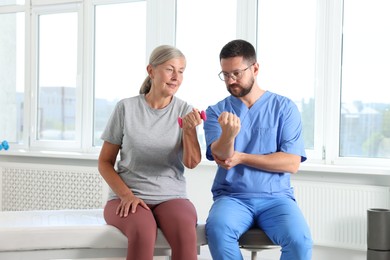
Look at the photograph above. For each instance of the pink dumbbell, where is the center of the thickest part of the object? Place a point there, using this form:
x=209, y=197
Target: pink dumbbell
x=202, y=115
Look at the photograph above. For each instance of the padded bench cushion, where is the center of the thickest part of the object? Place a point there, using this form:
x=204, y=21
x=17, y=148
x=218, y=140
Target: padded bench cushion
x=65, y=229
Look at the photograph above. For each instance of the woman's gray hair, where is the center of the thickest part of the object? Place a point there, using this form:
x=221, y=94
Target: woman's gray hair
x=159, y=55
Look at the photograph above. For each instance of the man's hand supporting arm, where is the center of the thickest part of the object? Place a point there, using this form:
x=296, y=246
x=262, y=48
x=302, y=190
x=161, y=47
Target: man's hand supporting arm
x=225, y=155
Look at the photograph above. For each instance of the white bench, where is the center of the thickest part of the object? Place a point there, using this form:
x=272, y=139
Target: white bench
x=56, y=234
x=53, y=234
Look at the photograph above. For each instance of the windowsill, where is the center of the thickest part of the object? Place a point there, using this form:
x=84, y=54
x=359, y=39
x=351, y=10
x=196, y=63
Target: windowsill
x=51, y=154
x=305, y=167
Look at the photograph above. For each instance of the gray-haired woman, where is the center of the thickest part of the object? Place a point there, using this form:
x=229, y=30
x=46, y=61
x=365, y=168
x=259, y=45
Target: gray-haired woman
x=148, y=188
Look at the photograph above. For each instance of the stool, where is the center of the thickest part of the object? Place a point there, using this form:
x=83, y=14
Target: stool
x=255, y=240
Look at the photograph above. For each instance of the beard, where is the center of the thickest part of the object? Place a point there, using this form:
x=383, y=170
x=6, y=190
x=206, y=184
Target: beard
x=243, y=89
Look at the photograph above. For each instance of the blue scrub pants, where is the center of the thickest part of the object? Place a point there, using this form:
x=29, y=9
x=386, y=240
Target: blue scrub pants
x=280, y=218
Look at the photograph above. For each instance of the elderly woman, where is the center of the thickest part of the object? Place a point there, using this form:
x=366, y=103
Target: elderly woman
x=148, y=188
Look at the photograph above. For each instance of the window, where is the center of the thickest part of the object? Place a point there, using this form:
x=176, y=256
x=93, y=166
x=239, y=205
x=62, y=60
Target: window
x=66, y=63
x=120, y=62
x=57, y=77
x=12, y=42
x=201, y=86
x=286, y=51
x=365, y=106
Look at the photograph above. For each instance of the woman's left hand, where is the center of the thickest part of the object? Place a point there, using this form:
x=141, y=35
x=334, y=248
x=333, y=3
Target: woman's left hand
x=191, y=120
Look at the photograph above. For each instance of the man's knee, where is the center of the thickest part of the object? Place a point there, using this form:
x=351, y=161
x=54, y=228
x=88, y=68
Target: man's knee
x=299, y=246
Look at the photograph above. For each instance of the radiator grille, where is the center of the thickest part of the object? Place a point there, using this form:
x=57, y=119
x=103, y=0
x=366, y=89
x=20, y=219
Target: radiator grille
x=43, y=187
x=337, y=213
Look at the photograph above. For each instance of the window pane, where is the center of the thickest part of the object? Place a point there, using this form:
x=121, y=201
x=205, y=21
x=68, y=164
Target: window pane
x=286, y=54
x=57, y=76
x=365, y=104
x=11, y=76
x=201, y=86
x=120, y=69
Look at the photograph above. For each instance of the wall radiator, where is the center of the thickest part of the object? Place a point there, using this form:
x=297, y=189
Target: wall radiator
x=42, y=187
x=336, y=213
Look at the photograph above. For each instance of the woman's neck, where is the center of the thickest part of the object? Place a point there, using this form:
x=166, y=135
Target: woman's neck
x=157, y=101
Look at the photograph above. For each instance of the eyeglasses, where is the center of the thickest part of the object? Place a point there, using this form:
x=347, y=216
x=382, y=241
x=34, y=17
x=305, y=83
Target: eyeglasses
x=235, y=75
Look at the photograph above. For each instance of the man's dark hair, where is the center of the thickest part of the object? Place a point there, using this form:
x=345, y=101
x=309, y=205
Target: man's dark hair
x=239, y=48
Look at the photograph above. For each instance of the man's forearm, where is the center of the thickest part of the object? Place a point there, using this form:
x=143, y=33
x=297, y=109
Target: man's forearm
x=223, y=148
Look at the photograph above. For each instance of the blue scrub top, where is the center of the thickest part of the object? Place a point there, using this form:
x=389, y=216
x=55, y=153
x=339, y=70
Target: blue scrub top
x=272, y=124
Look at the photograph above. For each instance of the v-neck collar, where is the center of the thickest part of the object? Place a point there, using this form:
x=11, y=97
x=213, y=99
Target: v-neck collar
x=242, y=110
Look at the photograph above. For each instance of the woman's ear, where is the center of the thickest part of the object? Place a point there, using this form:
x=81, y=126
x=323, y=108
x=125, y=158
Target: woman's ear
x=149, y=69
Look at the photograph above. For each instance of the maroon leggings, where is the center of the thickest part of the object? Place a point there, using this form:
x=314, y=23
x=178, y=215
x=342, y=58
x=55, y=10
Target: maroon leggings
x=176, y=218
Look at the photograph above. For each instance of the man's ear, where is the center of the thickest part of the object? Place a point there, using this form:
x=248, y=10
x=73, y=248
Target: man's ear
x=256, y=68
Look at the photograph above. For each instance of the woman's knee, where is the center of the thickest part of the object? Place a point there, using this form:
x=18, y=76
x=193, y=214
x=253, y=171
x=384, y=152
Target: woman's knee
x=140, y=222
x=177, y=212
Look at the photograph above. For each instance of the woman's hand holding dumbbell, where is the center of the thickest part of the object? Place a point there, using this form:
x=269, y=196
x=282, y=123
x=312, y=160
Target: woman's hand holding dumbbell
x=192, y=119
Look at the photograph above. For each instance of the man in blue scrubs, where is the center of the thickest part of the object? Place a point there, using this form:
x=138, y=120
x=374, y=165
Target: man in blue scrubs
x=255, y=137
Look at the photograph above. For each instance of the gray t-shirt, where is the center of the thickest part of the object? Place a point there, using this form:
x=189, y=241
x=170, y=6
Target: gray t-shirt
x=151, y=148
